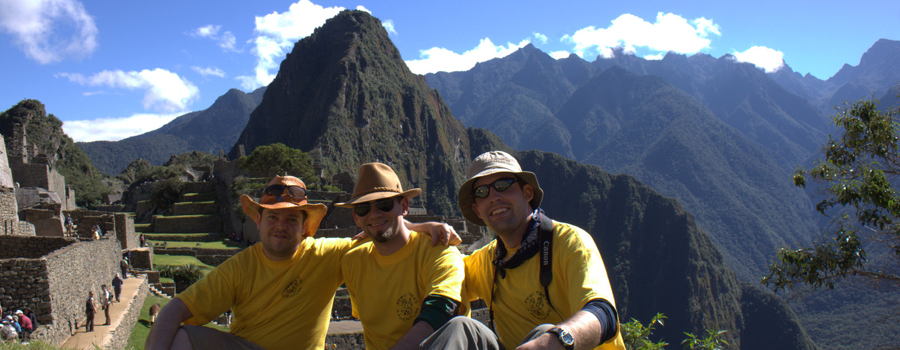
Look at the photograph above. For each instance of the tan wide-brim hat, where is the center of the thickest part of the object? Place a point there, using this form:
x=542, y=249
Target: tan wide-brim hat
x=314, y=212
x=377, y=181
x=491, y=163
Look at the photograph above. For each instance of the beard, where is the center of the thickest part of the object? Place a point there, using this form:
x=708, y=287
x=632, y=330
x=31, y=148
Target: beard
x=383, y=236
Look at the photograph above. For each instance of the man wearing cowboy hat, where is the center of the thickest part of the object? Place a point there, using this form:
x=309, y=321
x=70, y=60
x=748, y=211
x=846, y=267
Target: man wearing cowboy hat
x=543, y=281
x=402, y=288
x=280, y=290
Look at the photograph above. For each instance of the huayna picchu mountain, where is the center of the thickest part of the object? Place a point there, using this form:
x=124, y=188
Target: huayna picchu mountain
x=345, y=96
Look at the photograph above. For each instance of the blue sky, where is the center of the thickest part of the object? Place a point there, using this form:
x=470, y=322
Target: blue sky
x=113, y=69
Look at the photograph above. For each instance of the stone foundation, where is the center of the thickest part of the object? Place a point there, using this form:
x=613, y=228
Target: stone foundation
x=346, y=341
x=187, y=224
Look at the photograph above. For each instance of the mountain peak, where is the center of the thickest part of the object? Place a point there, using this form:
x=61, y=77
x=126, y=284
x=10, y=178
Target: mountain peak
x=345, y=96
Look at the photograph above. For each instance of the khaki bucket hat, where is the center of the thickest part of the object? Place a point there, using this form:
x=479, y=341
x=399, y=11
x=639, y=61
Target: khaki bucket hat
x=314, y=212
x=377, y=181
x=491, y=163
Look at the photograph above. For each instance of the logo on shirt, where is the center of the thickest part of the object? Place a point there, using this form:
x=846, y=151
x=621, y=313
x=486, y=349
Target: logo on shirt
x=407, y=307
x=536, y=303
x=293, y=288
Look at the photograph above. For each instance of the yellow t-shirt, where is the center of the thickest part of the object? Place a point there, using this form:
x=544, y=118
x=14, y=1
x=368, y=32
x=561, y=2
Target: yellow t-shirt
x=276, y=304
x=387, y=291
x=519, y=303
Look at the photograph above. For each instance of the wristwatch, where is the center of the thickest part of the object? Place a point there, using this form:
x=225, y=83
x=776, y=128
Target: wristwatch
x=566, y=338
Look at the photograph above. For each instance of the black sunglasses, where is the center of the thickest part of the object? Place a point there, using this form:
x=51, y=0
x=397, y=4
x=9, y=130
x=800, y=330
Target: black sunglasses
x=500, y=185
x=293, y=191
x=384, y=205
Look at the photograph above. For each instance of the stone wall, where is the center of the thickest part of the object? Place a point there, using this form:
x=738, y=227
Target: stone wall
x=142, y=258
x=125, y=231
x=119, y=336
x=347, y=341
x=199, y=187
x=24, y=283
x=86, y=219
x=9, y=215
x=6, y=179
x=187, y=224
x=194, y=208
x=46, y=222
x=12, y=247
x=73, y=271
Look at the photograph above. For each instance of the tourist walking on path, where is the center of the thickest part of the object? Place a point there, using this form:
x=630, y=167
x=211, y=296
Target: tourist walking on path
x=117, y=286
x=105, y=300
x=124, y=266
x=89, y=310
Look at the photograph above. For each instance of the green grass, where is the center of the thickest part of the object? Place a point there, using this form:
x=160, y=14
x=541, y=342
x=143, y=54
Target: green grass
x=163, y=259
x=166, y=280
x=142, y=326
x=190, y=244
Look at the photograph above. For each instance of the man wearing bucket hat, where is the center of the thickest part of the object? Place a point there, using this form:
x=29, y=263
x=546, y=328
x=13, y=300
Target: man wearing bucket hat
x=280, y=290
x=402, y=288
x=544, y=281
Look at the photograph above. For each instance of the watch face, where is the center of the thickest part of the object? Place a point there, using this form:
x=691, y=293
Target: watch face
x=566, y=338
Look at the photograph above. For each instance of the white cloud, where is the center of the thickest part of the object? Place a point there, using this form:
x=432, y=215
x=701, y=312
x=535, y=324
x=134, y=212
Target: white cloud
x=277, y=33
x=226, y=40
x=769, y=60
x=438, y=59
x=655, y=57
x=207, y=71
x=670, y=32
x=165, y=91
x=389, y=26
x=559, y=54
x=540, y=37
x=114, y=129
x=49, y=30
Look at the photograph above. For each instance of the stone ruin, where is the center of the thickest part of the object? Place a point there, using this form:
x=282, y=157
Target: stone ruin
x=41, y=268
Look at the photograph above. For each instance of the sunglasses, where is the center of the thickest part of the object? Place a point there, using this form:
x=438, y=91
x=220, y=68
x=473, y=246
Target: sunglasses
x=293, y=191
x=385, y=205
x=500, y=185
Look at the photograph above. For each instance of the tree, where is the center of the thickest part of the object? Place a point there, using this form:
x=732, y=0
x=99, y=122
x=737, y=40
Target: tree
x=278, y=159
x=861, y=168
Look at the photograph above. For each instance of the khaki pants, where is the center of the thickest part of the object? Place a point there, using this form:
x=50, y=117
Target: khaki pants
x=213, y=339
x=466, y=333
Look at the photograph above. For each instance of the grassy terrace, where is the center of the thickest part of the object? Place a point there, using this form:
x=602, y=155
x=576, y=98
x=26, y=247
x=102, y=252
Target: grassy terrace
x=142, y=326
x=163, y=259
x=192, y=244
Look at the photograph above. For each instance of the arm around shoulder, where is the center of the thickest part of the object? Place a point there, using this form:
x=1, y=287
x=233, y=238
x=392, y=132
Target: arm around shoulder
x=167, y=323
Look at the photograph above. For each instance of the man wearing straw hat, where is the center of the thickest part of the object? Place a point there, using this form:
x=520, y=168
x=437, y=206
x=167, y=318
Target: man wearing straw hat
x=402, y=288
x=280, y=290
x=544, y=281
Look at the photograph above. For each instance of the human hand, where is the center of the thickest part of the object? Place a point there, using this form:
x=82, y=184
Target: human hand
x=445, y=234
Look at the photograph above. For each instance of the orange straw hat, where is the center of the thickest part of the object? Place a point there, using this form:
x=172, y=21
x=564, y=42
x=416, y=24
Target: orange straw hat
x=314, y=212
x=377, y=181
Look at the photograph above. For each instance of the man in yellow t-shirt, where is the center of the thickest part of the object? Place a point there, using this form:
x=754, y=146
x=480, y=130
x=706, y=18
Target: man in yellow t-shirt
x=543, y=281
x=280, y=290
x=401, y=287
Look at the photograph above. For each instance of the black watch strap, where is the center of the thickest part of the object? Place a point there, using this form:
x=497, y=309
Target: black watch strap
x=566, y=338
